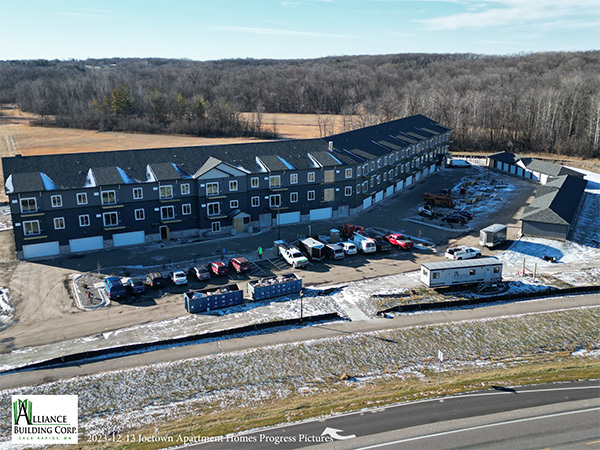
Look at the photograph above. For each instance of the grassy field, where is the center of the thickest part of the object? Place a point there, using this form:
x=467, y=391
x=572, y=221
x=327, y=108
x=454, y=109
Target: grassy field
x=242, y=390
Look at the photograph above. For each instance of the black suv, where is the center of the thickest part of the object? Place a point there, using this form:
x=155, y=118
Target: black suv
x=155, y=280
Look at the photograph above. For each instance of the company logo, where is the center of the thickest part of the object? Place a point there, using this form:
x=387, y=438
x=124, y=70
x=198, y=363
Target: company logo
x=41, y=419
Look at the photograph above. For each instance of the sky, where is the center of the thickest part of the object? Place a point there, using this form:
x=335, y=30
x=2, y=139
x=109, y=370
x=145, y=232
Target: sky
x=288, y=29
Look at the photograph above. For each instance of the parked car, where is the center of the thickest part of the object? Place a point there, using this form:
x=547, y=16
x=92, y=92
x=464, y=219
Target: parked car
x=426, y=211
x=467, y=215
x=178, y=277
x=454, y=218
x=240, y=264
x=400, y=241
x=334, y=251
x=135, y=286
x=155, y=280
x=114, y=287
x=199, y=273
x=382, y=244
x=349, y=248
x=218, y=268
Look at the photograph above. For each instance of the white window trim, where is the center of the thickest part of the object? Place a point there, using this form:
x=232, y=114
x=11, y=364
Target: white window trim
x=160, y=191
x=233, y=185
x=348, y=173
x=29, y=210
x=293, y=178
x=84, y=218
x=311, y=175
x=186, y=207
x=57, y=199
x=213, y=184
x=108, y=194
x=187, y=190
x=234, y=204
x=273, y=197
x=27, y=222
x=84, y=197
x=255, y=202
x=310, y=194
x=142, y=216
x=208, y=207
x=137, y=189
x=59, y=219
x=254, y=182
x=215, y=227
x=293, y=195
x=272, y=179
x=110, y=214
x=167, y=208
x=348, y=191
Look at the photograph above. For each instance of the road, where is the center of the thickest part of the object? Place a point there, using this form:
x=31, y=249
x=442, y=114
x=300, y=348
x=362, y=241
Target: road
x=27, y=378
x=557, y=415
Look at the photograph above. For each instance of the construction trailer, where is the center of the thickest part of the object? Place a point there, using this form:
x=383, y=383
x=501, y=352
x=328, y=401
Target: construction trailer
x=313, y=249
x=213, y=298
x=275, y=286
x=457, y=273
x=492, y=235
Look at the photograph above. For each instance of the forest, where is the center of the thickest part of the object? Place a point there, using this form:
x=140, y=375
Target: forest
x=539, y=102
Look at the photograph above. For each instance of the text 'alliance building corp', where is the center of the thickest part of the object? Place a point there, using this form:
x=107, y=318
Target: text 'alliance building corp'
x=78, y=202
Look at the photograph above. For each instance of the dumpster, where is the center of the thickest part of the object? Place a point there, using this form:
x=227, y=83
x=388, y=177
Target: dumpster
x=275, y=286
x=213, y=298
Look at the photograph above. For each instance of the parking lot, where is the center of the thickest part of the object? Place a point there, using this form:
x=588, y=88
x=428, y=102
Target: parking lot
x=46, y=310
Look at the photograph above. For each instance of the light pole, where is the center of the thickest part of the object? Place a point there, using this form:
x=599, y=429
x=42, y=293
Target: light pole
x=301, y=308
x=278, y=221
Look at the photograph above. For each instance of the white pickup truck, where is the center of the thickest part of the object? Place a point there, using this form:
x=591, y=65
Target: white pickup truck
x=462, y=252
x=293, y=256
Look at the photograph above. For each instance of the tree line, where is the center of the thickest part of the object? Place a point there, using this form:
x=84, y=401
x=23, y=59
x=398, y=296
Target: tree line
x=540, y=102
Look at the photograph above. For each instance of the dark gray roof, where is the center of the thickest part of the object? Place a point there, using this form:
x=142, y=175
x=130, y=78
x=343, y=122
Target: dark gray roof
x=549, y=168
x=557, y=201
x=68, y=171
x=505, y=157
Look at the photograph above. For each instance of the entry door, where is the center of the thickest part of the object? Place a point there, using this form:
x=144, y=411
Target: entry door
x=165, y=232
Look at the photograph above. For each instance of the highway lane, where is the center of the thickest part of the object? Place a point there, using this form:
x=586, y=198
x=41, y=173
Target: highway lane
x=566, y=414
x=27, y=378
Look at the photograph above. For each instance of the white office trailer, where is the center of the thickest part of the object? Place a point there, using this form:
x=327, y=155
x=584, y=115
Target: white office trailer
x=456, y=273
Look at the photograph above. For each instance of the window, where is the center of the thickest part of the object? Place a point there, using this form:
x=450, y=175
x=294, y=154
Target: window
x=385, y=160
x=274, y=181
x=233, y=185
x=139, y=214
x=348, y=191
x=212, y=189
x=84, y=220
x=329, y=195
x=310, y=195
x=456, y=274
x=275, y=201
x=293, y=178
x=293, y=197
x=186, y=209
x=365, y=169
x=213, y=209
x=329, y=176
x=59, y=223
x=365, y=187
x=138, y=193
x=31, y=227
x=255, y=202
x=496, y=269
x=385, y=176
x=185, y=189
x=216, y=227
x=166, y=192
x=435, y=275
x=379, y=163
x=56, y=201
x=254, y=182
x=372, y=181
x=28, y=205
x=358, y=171
x=378, y=179
x=234, y=204
x=372, y=165
x=109, y=197
x=110, y=219
x=82, y=198
x=167, y=213
x=358, y=188
x=348, y=173
x=311, y=177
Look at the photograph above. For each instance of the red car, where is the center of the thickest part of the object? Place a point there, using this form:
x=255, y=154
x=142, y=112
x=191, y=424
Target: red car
x=399, y=240
x=240, y=264
x=218, y=268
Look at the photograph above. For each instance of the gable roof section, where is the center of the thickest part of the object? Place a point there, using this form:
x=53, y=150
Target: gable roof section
x=505, y=157
x=549, y=168
x=557, y=201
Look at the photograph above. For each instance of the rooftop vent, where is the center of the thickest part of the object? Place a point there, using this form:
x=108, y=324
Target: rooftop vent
x=330, y=145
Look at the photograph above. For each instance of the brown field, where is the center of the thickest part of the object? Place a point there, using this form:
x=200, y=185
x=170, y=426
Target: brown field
x=17, y=136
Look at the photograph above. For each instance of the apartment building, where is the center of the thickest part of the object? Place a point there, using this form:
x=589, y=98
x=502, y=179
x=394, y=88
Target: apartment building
x=72, y=203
